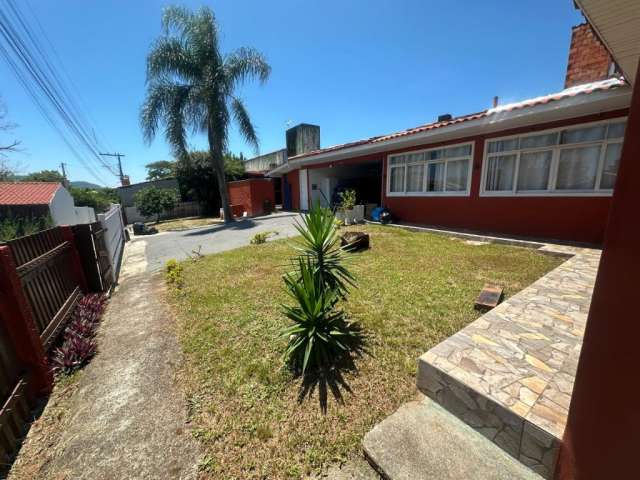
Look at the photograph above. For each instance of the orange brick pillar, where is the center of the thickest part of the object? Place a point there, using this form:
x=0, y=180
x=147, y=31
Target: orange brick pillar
x=602, y=437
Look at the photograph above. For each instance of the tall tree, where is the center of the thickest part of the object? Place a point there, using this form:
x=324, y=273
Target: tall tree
x=160, y=169
x=192, y=85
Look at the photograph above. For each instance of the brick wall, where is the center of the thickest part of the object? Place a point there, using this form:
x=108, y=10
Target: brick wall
x=589, y=60
x=249, y=195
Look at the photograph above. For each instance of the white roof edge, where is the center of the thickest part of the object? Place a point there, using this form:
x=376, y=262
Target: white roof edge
x=498, y=119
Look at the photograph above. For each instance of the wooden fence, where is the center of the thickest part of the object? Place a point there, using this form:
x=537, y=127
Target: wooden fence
x=41, y=280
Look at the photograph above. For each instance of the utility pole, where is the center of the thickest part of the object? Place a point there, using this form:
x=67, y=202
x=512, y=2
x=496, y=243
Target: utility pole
x=64, y=173
x=117, y=155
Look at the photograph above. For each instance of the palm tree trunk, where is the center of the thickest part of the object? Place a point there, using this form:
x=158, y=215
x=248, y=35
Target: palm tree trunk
x=217, y=161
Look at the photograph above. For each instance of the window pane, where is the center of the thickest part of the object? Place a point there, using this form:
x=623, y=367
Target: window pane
x=616, y=130
x=500, y=171
x=457, y=172
x=455, y=152
x=397, y=179
x=435, y=177
x=537, y=141
x=610, y=166
x=397, y=160
x=415, y=157
x=503, y=145
x=434, y=154
x=415, y=178
x=587, y=134
x=577, y=168
x=533, y=173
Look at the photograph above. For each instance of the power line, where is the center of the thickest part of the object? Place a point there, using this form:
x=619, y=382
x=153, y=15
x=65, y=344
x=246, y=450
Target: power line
x=46, y=114
x=48, y=82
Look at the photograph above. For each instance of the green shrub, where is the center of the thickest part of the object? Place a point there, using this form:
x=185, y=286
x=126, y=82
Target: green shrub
x=173, y=273
x=261, y=237
x=153, y=201
x=347, y=200
x=321, y=334
x=11, y=228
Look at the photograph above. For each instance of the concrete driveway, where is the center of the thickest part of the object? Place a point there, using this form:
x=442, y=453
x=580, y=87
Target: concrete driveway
x=149, y=253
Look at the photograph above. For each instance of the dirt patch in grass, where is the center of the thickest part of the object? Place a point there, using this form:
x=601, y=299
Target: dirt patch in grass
x=247, y=409
x=39, y=447
x=178, y=224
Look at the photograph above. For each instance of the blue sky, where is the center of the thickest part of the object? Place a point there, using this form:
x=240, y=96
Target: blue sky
x=357, y=68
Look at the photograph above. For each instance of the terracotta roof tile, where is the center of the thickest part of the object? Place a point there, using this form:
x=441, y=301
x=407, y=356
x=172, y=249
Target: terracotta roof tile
x=27, y=193
x=585, y=89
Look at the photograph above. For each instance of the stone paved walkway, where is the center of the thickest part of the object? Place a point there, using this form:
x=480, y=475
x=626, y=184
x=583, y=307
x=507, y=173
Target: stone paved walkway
x=510, y=373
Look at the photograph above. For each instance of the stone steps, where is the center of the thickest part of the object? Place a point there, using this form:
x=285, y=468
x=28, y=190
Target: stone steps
x=509, y=374
x=423, y=441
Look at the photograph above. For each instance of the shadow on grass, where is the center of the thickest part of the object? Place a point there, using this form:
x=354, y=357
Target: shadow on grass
x=332, y=377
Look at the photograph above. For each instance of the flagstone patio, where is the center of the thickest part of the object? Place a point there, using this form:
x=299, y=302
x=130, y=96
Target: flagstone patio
x=510, y=374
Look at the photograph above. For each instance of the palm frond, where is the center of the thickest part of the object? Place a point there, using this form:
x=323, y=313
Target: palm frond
x=178, y=18
x=170, y=56
x=166, y=102
x=244, y=64
x=247, y=130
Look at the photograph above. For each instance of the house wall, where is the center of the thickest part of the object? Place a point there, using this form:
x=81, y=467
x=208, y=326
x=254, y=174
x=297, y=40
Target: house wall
x=602, y=435
x=566, y=218
x=62, y=208
x=252, y=194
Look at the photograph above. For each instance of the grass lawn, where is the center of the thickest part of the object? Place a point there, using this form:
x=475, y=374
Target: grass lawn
x=415, y=289
x=185, y=223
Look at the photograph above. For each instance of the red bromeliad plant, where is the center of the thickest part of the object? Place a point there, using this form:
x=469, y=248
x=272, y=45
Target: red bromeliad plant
x=78, y=344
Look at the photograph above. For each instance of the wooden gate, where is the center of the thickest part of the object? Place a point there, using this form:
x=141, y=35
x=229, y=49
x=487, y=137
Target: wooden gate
x=43, y=262
x=94, y=256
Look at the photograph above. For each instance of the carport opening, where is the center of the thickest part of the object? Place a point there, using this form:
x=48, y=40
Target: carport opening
x=364, y=177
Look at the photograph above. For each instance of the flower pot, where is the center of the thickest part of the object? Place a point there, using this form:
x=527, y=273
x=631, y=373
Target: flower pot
x=348, y=217
x=358, y=213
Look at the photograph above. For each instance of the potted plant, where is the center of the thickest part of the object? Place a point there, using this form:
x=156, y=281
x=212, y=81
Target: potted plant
x=347, y=204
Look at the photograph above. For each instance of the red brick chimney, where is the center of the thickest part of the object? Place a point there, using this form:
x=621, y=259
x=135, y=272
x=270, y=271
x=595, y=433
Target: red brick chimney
x=589, y=60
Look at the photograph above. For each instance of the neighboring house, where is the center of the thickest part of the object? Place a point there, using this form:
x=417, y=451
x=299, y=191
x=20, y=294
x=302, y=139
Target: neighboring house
x=127, y=200
x=543, y=167
x=127, y=193
x=37, y=199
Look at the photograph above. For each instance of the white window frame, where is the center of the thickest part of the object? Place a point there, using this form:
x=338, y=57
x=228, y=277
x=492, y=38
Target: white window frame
x=555, y=159
x=426, y=163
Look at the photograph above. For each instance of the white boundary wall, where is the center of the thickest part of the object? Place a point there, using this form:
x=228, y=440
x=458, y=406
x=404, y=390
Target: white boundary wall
x=114, y=236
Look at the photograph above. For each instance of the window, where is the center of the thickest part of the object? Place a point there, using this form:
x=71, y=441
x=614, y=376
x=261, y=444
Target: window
x=580, y=160
x=438, y=171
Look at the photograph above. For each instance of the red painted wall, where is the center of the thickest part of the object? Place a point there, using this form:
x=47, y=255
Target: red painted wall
x=251, y=194
x=578, y=218
x=602, y=436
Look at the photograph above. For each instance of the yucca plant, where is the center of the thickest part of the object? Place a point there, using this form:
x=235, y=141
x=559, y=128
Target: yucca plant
x=320, y=244
x=321, y=333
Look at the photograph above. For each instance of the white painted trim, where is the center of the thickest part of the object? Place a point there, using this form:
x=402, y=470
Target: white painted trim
x=303, y=180
x=446, y=161
x=553, y=169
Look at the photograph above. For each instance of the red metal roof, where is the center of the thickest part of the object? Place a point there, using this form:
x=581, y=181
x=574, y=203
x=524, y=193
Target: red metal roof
x=585, y=89
x=27, y=193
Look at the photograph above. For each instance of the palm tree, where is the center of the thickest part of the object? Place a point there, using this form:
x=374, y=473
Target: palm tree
x=191, y=86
